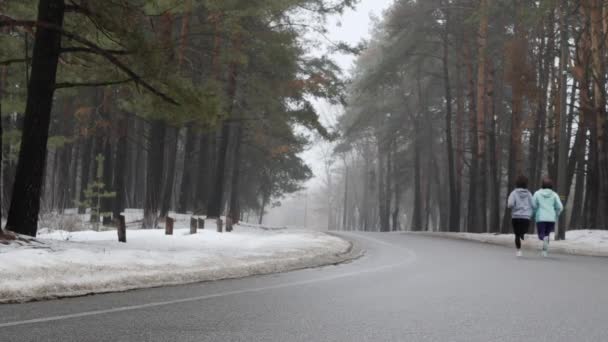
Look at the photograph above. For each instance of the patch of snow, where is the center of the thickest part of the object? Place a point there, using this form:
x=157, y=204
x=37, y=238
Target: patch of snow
x=83, y=262
x=579, y=242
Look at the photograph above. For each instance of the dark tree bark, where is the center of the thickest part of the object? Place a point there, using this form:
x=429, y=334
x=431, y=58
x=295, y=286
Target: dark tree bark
x=2, y=184
x=73, y=175
x=216, y=196
x=64, y=173
x=120, y=174
x=453, y=223
x=234, y=211
x=382, y=179
x=167, y=192
x=473, y=222
x=204, y=173
x=155, y=174
x=140, y=169
x=364, y=220
x=494, y=153
x=186, y=197
x=345, y=198
x=108, y=202
x=417, y=214
x=85, y=160
x=25, y=203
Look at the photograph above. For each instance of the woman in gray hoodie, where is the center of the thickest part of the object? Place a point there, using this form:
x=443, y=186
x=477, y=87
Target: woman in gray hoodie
x=520, y=203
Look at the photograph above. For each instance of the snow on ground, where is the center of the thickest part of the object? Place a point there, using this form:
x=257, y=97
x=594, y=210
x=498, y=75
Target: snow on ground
x=579, y=242
x=77, y=263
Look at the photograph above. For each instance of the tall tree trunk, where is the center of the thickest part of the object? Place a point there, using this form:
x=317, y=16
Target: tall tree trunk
x=454, y=208
x=397, y=191
x=234, y=211
x=186, y=197
x=207, y=159
x=25, y=203
x=108, y=202
x=120, y=166
x=216, y=199
x=564, y=139
x=73, y=175
x=2, y=184
x=216, y=196
x=85, y=159
x=155, y=174
x=598, y=56
x=382, y=162
x=364, y=220
x=482, y=63
x=460, y=144
x=345, y=198
x=473, y=222
x=169, y=177
x=139, y=169
x=517, y=58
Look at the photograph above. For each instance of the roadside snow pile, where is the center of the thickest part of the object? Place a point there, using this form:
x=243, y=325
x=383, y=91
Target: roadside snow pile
x=578, y=242
x=79, y=263
x=259, y=226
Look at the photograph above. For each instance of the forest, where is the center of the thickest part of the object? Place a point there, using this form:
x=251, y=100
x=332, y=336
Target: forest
x=205, y=107
x=453, y=99
x=198, y=106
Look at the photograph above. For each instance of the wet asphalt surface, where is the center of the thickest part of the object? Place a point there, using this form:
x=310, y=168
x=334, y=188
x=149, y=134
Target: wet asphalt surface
x=405, y=288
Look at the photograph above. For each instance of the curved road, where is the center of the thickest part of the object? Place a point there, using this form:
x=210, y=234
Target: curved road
x=406, y=288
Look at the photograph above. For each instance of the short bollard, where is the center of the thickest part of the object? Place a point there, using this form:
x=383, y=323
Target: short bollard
x=121, y=229
x=169, y=225
x=192, y=225
x=201, y=223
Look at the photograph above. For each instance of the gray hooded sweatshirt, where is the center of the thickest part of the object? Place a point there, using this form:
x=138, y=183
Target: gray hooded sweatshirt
x=520, y=202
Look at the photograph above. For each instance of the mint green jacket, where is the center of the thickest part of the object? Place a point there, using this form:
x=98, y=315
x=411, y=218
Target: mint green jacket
x=547, y=206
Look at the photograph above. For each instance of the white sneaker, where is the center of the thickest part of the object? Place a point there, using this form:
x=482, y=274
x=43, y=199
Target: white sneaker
x=519, y=253
x=544, y=254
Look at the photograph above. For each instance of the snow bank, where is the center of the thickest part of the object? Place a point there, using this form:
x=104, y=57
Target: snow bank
x=578, y=242
x=79, y=263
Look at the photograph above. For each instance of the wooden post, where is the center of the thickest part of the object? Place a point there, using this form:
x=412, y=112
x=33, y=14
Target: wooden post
x=219, y=225
x=121, y=228
x=228, y=224
x=192, y=225
x=201, y=223
x=169, y=225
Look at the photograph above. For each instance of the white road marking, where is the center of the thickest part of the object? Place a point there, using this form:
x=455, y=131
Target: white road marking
x=409, y=259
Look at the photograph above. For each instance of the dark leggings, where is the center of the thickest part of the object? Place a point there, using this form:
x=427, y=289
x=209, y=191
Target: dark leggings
x=520, y=228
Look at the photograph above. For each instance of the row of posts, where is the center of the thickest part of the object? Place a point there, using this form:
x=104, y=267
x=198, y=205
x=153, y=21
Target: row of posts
x=195, y=224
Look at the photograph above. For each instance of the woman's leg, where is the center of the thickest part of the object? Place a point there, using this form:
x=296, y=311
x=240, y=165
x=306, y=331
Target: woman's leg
x=540, y=228
x=517, y=232
x=544, y=232
x=550, y=227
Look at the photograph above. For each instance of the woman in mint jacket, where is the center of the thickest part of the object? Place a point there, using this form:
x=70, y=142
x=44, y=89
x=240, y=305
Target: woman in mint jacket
x=547, y=208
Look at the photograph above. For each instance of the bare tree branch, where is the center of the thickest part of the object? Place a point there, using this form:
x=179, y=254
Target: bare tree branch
x=13, y=61
x=91, y=84
x=7, y=21
x=77, y=49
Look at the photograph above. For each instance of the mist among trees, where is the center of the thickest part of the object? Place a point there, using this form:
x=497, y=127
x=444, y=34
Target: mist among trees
x=188, y=106
x=452, y=100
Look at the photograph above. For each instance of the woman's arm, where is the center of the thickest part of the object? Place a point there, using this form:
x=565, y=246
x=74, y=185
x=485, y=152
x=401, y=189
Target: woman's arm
x=559, y=207
x=511, y=200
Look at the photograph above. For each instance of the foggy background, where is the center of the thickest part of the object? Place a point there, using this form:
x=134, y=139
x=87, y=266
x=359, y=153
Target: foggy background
x=308, y=207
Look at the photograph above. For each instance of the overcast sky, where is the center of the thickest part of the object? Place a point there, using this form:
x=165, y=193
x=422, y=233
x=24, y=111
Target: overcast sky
x=355, y=25
x=352, y=27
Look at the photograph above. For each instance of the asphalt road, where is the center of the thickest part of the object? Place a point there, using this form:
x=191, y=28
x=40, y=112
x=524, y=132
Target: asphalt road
x=406, y=288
